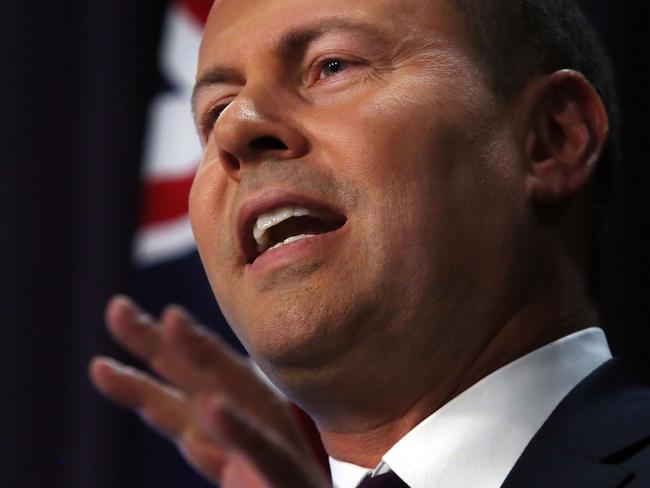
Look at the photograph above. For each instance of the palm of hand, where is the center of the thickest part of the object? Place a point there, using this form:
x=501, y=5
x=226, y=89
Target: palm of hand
x=226, y=421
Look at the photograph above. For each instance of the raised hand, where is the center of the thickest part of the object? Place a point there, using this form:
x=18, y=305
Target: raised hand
x=225, y=420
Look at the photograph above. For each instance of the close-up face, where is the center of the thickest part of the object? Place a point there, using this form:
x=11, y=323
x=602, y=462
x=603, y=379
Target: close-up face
x=360, y=182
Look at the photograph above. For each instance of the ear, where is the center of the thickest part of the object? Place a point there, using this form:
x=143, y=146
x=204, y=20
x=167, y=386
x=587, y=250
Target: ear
x=568, y=127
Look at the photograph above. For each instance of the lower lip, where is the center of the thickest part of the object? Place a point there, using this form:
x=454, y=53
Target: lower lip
x=295, y=251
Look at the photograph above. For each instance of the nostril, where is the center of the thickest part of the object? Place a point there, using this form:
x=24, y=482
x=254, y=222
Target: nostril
x=267, y=143
x=229, y=161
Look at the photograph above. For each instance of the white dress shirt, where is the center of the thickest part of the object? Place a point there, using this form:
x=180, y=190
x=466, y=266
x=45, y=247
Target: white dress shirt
x=475, y=440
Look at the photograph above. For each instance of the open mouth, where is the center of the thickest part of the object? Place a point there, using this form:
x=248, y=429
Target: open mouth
x=286, y=224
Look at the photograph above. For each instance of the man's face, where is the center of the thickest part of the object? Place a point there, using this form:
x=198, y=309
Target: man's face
x=373, y=118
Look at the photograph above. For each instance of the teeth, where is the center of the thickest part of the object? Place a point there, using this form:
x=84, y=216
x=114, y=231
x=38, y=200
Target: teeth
x=290, y=239
x=268, y=220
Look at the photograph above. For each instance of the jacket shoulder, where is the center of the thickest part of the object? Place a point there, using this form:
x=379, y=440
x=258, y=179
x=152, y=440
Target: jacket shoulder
x=598, y=436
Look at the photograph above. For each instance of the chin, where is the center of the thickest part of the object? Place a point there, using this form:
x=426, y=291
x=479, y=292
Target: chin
x=300, y=334
x=290, y=343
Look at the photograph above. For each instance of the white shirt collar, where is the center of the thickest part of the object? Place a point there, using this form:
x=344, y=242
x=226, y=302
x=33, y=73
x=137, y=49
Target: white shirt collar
x=476, y=438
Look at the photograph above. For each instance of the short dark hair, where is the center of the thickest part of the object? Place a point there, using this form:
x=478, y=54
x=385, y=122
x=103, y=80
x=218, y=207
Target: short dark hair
x=519, y=39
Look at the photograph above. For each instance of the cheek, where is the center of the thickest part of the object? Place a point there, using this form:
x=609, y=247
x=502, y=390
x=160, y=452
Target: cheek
x=431, y=182
x=394, y=136
x=397, y=150
x=207, y=204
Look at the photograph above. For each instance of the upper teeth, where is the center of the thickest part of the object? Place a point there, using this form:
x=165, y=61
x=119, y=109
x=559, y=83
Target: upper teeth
x=267, y=220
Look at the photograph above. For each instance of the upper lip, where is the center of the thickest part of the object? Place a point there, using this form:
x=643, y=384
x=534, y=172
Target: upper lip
x=267, y=201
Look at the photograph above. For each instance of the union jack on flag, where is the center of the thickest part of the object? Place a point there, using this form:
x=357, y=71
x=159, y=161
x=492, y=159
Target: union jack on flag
x=172, y=149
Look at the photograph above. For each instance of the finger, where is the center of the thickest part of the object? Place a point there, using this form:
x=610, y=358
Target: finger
x=132, y=327
x=202, y=454
x=219, y=364
x=222, y=366
x=228, y=372
x=205, y=349
x=273, y=458
x=141, y=336
x=161, y=406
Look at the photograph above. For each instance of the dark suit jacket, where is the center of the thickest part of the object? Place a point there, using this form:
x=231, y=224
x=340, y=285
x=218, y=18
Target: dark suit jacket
x=597, y=437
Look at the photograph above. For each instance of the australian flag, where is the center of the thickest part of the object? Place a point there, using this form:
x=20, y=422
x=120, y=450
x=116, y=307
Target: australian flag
x=166, y=266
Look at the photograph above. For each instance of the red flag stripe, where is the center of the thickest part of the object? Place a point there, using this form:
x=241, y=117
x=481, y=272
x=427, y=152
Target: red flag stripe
x=164, y=200
x=198, y=8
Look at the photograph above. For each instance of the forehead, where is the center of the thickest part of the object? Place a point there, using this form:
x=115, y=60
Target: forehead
x=236, y=26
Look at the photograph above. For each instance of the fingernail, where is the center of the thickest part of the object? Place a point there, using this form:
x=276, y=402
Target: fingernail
x=112, y=363
x=135, y=312
x=178, y=313
x=180, y=320
x=125, y=300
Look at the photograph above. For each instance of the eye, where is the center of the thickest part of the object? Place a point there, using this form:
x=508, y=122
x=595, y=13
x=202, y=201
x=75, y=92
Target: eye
x=330, y=67
x=210, y=118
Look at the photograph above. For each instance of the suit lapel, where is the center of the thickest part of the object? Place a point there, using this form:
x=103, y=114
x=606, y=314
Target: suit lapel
x=544, y=465
x=585, y=440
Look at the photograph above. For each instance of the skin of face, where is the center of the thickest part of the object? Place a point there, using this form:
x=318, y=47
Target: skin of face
x=403, y=136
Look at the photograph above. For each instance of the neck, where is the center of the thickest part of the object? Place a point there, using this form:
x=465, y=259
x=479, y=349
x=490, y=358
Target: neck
x=554, y=312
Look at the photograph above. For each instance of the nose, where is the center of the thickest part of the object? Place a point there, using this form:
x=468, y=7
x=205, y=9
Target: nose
x=254, y=129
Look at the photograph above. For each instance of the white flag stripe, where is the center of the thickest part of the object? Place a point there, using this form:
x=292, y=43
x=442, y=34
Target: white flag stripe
x=160, y=243
x=180, y=48
x=172, y=148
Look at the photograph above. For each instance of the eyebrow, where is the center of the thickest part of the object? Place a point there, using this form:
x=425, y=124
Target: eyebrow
x=291, y=42
x=215, y=75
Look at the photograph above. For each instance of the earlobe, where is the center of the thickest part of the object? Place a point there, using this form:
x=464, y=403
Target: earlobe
x=567, y=131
